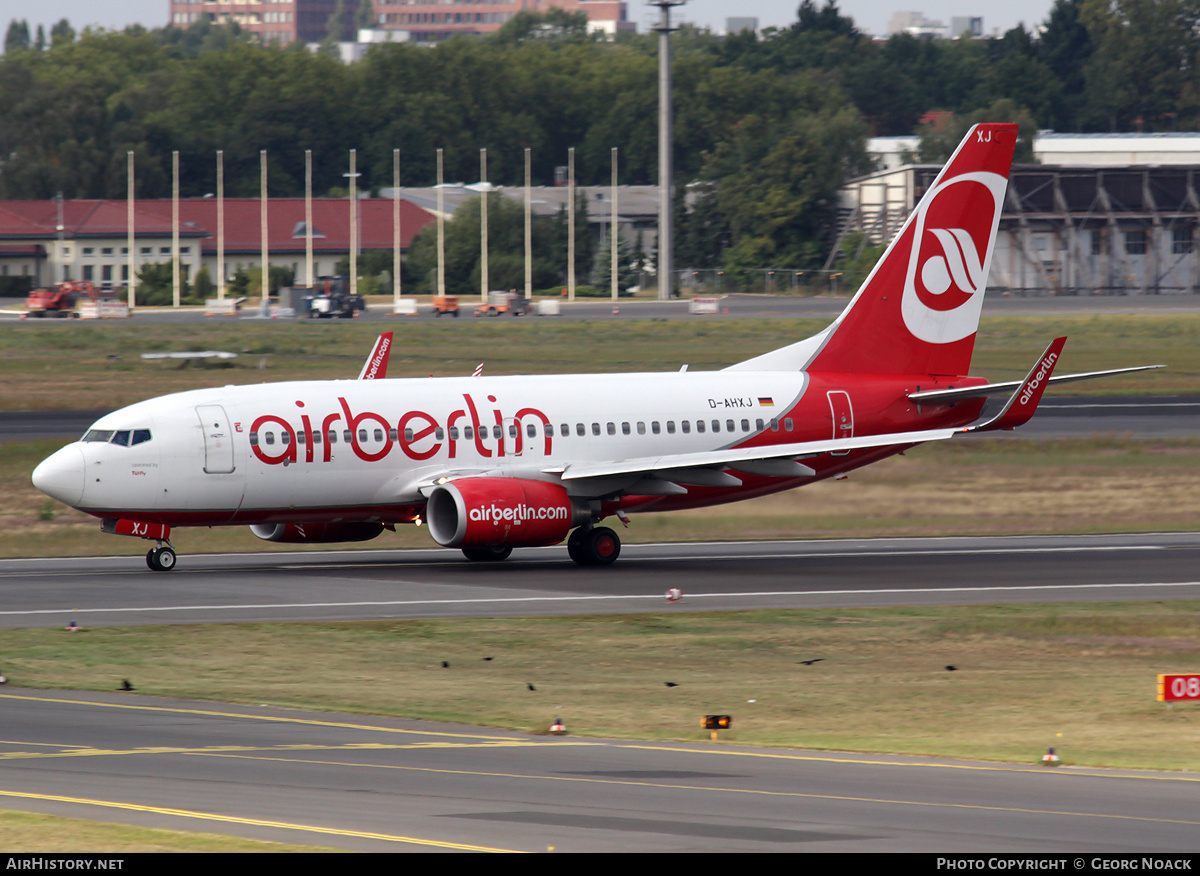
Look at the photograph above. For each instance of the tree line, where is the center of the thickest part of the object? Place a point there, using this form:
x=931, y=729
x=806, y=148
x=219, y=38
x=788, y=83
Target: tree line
x=767, y=125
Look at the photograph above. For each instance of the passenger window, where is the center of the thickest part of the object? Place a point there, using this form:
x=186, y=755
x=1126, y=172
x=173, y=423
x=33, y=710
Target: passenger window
x=624, y=428
x=716, y=426
x=774, y=424
x=392, y=434
x=408, y=435
x=253, y=439
x=612, y=428
x=270, y=436
x=468, y=432
x=512, y=430
x=316, y=437
x=686, y=425
x=497, y=432
x=454, y=433
x=285, y=438
x=595, y=428
x=300, y=439
x=333, y=436
x=378, y=434
x=758, y=425
x=787, y=423
x=531, y=430
x=347, y=436
x=579, y=430
x=438, y=433
x=699, y=427
x=745, y=425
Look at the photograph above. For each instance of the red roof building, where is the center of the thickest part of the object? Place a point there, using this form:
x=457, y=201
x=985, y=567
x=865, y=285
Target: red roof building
x=92, y=243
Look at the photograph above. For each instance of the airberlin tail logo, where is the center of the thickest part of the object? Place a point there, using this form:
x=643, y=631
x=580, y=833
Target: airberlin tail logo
x=948, y=264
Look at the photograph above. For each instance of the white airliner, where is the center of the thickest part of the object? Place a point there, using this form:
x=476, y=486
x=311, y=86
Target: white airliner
x=493, y=463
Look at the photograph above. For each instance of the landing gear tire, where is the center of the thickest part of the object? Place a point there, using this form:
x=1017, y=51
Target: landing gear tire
x=595, y=547
x=486, y=554
x=161, y=559
x=575, y=546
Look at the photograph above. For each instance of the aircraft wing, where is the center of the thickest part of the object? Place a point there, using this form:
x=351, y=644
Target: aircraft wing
x=705, y=467
x=686, y=464
x=375, y=368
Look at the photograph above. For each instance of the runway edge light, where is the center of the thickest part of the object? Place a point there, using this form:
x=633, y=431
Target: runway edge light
x=715, y=723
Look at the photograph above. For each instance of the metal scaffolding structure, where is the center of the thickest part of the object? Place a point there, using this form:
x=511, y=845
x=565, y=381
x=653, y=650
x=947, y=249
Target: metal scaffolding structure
x=1064, y=230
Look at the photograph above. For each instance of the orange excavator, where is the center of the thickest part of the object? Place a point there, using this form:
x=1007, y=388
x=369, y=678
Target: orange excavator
x=61, y=298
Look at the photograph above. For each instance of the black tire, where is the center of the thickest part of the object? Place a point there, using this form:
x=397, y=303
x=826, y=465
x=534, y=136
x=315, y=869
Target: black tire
x=487, y=553
x=575, y=547
x=152, y=560
x=166, y=559
x=603, y=546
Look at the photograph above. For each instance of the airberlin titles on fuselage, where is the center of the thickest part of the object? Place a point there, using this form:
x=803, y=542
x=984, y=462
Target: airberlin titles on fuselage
x=412, y=433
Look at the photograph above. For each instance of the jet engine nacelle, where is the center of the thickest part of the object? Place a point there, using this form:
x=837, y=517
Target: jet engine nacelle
x=473, y=512
x=316, y=533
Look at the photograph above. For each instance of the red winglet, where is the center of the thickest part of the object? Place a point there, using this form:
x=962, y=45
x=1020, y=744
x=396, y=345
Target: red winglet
x=375, y=367
x=1025, y=400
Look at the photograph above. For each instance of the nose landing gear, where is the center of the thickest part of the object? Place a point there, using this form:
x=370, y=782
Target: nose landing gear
x=161, y=559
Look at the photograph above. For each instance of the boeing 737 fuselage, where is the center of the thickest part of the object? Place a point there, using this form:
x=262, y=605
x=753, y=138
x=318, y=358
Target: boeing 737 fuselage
x=493, y=463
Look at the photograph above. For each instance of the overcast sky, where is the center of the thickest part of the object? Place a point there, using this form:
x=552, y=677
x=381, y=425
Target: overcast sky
x=871, y=16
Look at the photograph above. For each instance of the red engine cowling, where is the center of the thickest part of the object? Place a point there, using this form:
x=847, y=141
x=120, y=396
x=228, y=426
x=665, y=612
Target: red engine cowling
x=472, y=512
x=317, y=533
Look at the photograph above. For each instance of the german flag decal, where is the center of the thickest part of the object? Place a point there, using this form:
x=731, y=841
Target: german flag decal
x=766, y=402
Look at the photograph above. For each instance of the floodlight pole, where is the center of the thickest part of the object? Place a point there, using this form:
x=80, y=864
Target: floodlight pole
x=666, y=265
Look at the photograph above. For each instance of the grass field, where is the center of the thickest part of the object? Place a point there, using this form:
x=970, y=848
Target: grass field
x=102, y=369
x=1079, y=677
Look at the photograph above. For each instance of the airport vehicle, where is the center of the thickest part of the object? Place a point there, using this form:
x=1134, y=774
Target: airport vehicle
x=443, y=304
x=332, y=298
x=503, y=302
x=496, y=463
x=60, y=299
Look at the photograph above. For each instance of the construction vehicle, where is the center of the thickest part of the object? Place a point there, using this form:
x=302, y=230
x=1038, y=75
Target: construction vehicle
x=331, y=297
x=60, y=299
x=445, y=304
x=503, y=302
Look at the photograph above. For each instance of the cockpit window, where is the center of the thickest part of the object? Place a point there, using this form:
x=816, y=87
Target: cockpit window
x=123, y=437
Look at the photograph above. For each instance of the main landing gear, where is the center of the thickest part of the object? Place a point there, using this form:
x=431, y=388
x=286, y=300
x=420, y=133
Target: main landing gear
x=588, y=546
x=594, y=546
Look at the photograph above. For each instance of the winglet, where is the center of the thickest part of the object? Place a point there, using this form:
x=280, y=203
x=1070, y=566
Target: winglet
x=375, y=368
x=1024, y=402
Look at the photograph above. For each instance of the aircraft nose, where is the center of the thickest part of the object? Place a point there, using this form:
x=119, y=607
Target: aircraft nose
x=60, y=475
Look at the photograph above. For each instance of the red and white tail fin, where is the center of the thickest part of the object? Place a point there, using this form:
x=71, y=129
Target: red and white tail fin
x=918, y=310
x=375, y=368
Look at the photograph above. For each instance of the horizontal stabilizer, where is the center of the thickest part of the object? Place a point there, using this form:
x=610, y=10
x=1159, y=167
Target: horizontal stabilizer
x=945, y=396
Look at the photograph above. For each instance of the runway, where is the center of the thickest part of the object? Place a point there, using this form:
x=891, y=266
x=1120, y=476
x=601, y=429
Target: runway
x=377, y=784
x=366, y=584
